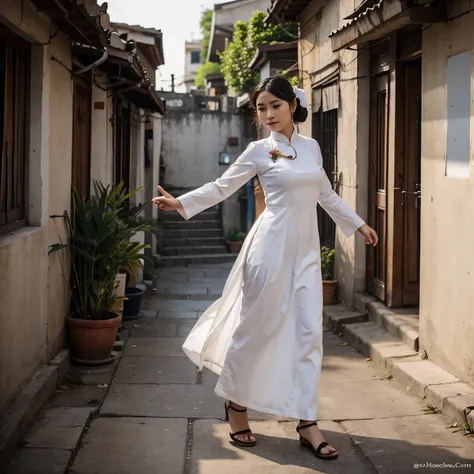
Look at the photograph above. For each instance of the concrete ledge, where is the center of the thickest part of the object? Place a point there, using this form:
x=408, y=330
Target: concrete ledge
x=338, y=316
x=455, y=400
x=418, y=376
x=62, y=361
x=361, y=300
x=374, y=342
x=31, y=399
x=402, y=324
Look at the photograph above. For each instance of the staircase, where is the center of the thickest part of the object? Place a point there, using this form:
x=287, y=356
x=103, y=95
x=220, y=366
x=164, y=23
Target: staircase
x=199, y=240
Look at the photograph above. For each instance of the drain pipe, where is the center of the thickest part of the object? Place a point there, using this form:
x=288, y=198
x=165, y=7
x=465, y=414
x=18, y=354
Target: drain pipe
x=105, y=55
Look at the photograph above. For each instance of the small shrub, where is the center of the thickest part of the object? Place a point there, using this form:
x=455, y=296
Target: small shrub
x=236, y=236
x=327, y=263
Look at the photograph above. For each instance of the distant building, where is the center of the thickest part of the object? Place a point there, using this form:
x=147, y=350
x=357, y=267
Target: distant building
x=191, y=63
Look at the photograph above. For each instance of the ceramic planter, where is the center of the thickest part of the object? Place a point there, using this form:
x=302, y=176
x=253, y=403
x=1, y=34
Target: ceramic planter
x=234, y=247
x=91, y=341
x=330, y=292
x=132, y=303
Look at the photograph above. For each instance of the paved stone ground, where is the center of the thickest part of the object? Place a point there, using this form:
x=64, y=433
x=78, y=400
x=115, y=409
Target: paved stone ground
x=162, y=417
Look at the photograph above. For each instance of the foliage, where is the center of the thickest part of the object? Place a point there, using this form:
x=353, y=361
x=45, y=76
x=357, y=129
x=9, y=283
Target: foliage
x=246, y=38
x=293, y=80
x=99, y=247
x=327, y=263
x=203, y=71
x=205, y=25
x=131, y=215
x=235, y=236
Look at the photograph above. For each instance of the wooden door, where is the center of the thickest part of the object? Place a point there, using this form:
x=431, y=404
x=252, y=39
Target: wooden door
x=411, y=192
x=81, y=140
x=378, y=170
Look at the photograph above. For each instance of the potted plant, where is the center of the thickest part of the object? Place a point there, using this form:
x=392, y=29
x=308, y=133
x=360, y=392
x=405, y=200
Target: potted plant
x=129, y=297
x=235, y=240
x=99, y=247
x=329, y=284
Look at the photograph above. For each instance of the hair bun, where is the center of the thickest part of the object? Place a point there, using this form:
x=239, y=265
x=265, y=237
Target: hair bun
x=301, y=113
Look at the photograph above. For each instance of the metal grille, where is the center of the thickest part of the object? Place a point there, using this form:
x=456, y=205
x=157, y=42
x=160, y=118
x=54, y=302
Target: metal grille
x=325, y=132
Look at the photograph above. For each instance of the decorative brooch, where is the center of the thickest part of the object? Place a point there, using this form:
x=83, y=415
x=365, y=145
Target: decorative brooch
x=275, y=154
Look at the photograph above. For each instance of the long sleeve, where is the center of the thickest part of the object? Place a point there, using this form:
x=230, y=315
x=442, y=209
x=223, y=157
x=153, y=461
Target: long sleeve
x=344, y=217
x=239, y=173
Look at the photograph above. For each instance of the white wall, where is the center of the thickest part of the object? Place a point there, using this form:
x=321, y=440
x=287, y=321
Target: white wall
x=447, y=207
x=191, y=146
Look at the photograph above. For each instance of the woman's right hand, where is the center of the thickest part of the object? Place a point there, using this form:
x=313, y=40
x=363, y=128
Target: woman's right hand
x=166, y=202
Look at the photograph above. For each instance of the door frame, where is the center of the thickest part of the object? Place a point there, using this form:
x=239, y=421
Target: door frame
x=389, y=57
x=408, y=52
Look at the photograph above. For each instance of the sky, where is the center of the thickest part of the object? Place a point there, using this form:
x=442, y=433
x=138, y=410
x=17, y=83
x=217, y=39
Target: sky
x=177, y=19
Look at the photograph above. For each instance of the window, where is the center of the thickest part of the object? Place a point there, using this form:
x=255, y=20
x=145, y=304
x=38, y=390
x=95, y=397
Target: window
x=325, y=105
x=14, y=115
x=195, y=57
x=458, y=78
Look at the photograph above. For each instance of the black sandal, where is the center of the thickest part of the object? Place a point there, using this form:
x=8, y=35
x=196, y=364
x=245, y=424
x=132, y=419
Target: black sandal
x=244, y=444
x=316, y=451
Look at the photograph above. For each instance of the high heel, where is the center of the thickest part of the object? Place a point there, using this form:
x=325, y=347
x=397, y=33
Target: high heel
x=238, y=442
x=316, y=451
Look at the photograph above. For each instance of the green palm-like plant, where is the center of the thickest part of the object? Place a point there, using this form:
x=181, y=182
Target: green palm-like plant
x=327, y=263
x=99, y=246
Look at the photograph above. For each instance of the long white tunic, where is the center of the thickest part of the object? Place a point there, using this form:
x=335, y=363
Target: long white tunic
x=264, y=335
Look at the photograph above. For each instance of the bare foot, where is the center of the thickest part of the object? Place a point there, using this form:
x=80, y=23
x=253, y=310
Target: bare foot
x=239, y=421
x=315, y=437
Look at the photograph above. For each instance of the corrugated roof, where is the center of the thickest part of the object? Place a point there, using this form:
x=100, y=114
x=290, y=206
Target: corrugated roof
x=363, y=13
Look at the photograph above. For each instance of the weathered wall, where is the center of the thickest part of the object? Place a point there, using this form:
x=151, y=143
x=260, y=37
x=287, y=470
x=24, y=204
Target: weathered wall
x=447, y=258
x=102, y=132
x=319, y=19
x=191, y=146
x=192, y=141
x=60, y=171
x=228, y=15
x=32, y=292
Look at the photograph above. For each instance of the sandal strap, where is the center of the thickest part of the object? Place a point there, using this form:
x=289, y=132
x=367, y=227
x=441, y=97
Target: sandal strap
x=302, y=427
x=321, y=446
x=238, y=433
x=239, y=410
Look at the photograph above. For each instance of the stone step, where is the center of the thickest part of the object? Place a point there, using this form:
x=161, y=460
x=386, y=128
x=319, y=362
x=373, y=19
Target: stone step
x=401, y=363
x=176, y=216
x=198, y=250
x=181, y=233
x=192, y=241
x=185, y=260
x=337, y=316
x=402, y=323
x=374, y=342
x=206, y=224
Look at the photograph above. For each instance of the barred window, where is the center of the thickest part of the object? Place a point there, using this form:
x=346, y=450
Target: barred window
x=14, y=125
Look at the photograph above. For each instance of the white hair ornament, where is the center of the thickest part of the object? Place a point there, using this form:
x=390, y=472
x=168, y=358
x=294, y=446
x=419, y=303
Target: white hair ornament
x=301, y=96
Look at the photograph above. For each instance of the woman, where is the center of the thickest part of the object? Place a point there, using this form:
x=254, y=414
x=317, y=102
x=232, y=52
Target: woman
x=264, y=335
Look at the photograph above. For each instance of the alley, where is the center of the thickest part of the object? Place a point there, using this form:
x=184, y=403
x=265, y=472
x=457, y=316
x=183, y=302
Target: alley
x=161, y=416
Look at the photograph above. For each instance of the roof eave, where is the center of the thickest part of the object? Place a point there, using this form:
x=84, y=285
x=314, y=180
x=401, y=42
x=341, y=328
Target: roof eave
x=382, y=19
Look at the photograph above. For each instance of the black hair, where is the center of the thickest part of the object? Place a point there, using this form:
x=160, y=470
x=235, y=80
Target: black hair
x=281, y=88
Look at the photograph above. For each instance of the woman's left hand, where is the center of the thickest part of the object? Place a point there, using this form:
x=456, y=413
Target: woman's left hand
x=371, y=237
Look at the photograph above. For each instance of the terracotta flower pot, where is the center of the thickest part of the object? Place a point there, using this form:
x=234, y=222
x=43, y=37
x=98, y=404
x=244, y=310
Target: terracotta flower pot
x=329, y=292
x=91, y=341
x=234, y=247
